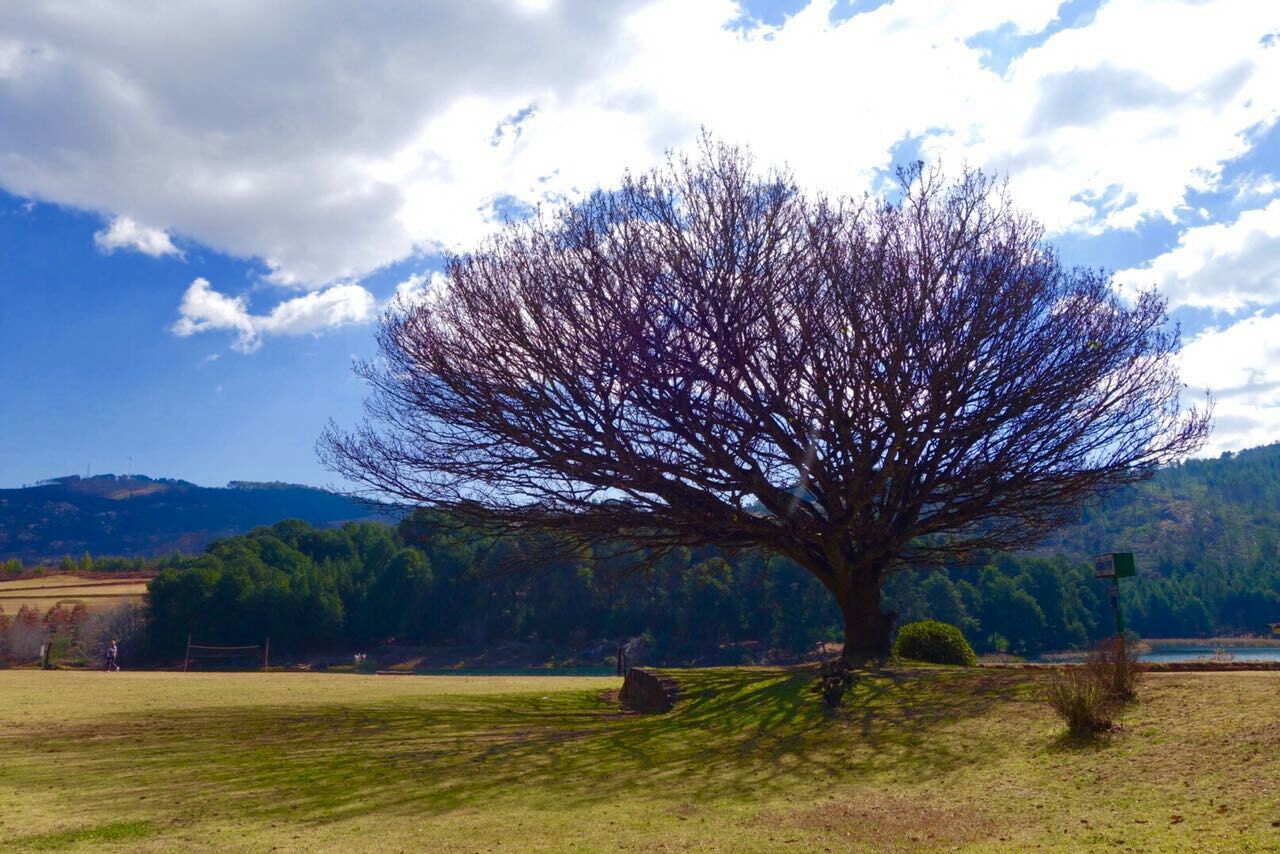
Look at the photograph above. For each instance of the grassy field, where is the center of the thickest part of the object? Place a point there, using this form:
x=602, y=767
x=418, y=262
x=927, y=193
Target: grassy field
x=46, y=591
x=920, y=759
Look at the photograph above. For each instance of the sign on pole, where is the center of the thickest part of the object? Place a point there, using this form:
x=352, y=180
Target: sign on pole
x=1114, y=565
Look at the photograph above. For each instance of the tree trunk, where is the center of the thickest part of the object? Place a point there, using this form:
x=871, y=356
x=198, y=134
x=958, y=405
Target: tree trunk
x=866, y=627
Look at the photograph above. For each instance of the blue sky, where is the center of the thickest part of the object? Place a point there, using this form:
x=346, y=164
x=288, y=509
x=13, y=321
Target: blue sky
x=204, y=206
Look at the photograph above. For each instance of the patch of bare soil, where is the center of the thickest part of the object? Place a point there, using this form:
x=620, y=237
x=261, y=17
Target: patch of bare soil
x=891, y=822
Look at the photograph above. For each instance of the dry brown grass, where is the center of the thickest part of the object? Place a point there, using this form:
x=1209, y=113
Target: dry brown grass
x=892, y=821
x=44, y=592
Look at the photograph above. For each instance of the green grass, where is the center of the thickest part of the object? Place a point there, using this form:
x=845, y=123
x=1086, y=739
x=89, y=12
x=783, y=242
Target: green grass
x=919, y=758
x=119, y=831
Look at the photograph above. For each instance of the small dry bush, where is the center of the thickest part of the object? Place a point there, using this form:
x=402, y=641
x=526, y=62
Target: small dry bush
x=1113, y=664
x=1080, y=700
x=1087, y=697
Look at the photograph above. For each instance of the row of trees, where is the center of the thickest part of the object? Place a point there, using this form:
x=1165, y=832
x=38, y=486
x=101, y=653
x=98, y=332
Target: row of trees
x=350, y=588
x=85, y=563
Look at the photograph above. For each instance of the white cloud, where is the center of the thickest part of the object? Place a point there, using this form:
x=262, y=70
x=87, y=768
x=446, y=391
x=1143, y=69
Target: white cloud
x=254, y=128
x=797, y=93
x=1224, y=266
x=417, y=288
x=205, y=310
x=416, y=129
x=124, y=233
x=1241, y=364
x=1107, y=124
x=534, y=6
x=1255, y=186
x=411, y=288
x=330, y=140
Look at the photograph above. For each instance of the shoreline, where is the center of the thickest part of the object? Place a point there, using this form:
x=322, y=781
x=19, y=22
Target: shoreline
x=1259, y=641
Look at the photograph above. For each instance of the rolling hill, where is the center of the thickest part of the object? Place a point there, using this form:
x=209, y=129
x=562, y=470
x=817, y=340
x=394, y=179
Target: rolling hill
x=142, y=516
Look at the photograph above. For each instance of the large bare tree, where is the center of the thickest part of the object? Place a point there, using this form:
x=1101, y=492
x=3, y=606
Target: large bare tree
x=709, y=355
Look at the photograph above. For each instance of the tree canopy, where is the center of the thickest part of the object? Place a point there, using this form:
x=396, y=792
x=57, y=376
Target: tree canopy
x=709, y=355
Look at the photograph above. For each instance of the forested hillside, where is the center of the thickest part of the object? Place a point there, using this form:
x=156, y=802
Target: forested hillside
x=147, y=517
x=1204, y=535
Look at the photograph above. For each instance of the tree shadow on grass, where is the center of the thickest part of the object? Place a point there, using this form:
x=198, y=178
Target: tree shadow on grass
x=734, y=732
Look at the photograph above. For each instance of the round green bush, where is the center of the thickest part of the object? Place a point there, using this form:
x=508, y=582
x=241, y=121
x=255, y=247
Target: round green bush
x=934, y=642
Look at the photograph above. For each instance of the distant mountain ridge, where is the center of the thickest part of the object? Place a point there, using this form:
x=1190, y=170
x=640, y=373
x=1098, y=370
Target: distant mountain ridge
x=1205, y=522
x=141, y=516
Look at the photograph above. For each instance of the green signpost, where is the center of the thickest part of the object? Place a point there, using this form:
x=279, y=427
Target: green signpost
x=1115, y=566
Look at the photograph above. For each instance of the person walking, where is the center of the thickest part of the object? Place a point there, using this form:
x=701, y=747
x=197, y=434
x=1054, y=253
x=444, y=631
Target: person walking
x=113, y=655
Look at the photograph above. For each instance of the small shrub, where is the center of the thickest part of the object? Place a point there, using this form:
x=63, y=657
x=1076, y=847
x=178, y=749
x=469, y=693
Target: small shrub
x=1087, y=697
x=835, y=678
x=1113, y=664
x=1080, y=700
x=934, y=642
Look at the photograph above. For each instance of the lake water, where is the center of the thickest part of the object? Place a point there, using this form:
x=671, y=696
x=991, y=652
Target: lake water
x=1210, y=653
x=1191, y=653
